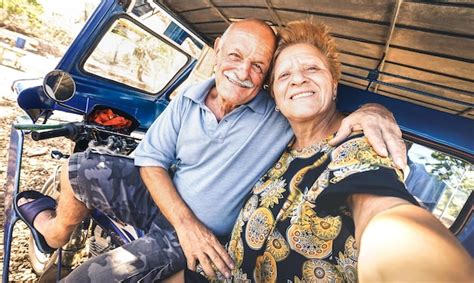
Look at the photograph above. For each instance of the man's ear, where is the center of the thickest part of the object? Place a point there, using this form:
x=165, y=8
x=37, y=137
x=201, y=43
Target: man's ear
x=217, y=45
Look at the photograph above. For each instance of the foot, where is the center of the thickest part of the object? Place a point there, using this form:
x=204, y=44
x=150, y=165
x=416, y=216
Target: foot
x=44, y=224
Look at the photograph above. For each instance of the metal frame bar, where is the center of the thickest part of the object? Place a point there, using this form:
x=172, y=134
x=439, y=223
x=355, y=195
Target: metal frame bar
x=276, y=18
x=214, y=7
x=381, y=64
x=12, y=184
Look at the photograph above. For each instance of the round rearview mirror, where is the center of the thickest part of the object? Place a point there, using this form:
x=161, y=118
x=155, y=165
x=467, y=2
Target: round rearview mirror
x=59, y=85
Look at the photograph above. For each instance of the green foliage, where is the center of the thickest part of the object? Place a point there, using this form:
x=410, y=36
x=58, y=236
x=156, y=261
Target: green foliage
x=455, y=173
x=451, y=170
x=20, y=10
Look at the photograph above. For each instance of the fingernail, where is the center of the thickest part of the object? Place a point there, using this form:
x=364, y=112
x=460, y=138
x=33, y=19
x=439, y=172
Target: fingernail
x=399, y=163
x=384, y=152
x=227, y=275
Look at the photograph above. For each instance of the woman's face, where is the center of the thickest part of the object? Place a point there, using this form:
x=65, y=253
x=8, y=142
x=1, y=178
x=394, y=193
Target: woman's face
x=303, y=85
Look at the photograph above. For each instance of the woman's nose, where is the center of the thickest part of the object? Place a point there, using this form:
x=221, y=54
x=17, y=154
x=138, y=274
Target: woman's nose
x=297, y=78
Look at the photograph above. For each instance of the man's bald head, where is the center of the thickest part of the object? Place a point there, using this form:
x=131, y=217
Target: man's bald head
x=255, y=26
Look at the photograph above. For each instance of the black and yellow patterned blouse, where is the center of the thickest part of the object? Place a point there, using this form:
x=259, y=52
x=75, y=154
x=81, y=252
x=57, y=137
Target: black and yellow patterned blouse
x=294, y=227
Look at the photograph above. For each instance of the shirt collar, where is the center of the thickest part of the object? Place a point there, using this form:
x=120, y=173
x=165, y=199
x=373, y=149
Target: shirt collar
x=199, y=92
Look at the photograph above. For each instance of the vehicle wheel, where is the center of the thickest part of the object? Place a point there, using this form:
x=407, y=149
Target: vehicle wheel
x=39, y=261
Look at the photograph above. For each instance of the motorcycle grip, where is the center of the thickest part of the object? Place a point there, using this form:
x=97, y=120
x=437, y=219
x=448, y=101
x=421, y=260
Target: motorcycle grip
x=68, y=130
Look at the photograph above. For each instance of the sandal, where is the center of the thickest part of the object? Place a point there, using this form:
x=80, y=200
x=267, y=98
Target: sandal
x=28, y=212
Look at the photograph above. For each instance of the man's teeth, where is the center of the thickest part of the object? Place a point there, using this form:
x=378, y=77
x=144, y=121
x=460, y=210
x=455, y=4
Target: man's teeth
x=303, y=94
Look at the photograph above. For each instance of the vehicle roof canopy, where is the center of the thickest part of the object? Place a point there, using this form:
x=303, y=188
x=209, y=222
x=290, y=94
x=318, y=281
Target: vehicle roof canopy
x=418, y=51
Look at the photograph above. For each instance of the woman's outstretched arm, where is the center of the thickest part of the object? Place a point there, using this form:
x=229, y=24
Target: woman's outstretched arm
x=399, y=241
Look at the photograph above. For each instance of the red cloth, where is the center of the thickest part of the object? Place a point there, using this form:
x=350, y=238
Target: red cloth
x=107, y=117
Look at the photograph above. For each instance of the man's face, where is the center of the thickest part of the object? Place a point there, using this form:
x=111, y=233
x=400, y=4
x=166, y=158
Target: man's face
x=243, y=58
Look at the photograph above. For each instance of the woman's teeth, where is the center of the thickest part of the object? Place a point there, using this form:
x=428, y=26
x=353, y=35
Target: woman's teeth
x=303, y=94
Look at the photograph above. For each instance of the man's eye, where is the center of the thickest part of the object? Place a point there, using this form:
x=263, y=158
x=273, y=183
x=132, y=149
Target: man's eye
x=257, y=68
x=234, y=56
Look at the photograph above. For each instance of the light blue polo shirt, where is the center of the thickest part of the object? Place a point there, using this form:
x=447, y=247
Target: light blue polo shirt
x=218, y=163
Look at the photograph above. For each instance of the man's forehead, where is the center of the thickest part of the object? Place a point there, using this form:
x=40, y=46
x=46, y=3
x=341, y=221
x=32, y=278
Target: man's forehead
x=260, y=51
x=243, y=39
x=252, y=28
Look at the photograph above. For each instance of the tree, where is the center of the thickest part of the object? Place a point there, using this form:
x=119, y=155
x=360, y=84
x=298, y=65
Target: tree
x=452, y=171
x=457, y=174
x=22, y=14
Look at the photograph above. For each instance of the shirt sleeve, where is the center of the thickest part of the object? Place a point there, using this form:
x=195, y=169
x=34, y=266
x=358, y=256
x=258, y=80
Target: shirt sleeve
x=355, y=167
x=158, y=147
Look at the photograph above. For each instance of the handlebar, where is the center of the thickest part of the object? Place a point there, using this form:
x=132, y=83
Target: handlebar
x=69, y=130
x=118, y=142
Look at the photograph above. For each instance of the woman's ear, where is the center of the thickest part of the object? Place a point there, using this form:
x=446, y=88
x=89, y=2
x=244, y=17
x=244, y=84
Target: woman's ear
x=334, y=92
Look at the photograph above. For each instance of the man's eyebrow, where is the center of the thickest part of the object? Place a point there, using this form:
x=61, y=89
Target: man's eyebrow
x=236, y=49
x=239, y=51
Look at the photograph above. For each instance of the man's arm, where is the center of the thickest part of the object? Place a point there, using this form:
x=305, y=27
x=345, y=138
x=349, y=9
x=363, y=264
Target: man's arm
x=198, y=242
x=401, y=242
x=379, y=127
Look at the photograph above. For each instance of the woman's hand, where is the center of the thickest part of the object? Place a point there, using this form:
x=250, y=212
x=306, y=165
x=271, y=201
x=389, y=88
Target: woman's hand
x=379, y=127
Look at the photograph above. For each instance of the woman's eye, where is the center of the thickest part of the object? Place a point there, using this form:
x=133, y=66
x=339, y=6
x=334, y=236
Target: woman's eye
x=283, y=75
x=313, y=68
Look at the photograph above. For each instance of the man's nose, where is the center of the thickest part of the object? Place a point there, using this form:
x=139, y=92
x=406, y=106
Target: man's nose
x=244, y=69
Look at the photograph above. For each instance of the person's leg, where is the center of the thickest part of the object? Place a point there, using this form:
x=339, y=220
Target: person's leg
x=57, y=226
x=153, y=257
x=109, y=183
x=113, y=185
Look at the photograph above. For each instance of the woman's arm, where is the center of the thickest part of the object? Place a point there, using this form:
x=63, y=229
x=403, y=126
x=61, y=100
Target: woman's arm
x=399, y=241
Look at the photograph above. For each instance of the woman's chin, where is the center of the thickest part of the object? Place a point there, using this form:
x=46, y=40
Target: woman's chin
x=303, y=115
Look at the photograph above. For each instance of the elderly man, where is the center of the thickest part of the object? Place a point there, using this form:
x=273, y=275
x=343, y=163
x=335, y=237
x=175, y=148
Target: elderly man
x=222, y=135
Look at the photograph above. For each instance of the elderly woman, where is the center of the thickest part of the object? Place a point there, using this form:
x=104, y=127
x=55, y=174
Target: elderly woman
x=332, y=214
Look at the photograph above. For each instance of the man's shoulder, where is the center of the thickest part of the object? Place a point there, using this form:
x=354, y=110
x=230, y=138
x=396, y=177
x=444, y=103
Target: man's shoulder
x=197, y=91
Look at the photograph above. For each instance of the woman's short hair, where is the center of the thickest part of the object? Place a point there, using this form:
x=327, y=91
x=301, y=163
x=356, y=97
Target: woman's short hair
x=315, y=34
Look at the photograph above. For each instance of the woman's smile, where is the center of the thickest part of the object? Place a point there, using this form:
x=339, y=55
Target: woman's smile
x=301, y=95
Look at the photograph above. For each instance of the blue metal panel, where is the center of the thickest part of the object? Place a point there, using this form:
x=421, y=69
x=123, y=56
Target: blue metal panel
x=34, y=97
x=178, y=34
x=443, y=128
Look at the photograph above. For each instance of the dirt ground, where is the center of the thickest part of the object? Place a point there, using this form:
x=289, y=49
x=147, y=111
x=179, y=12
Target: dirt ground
x=35, y=171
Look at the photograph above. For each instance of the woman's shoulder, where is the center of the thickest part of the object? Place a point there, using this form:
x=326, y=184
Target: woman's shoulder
x=355, y=154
